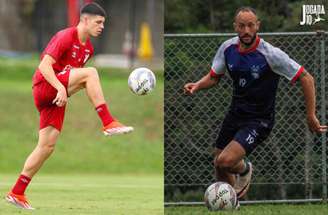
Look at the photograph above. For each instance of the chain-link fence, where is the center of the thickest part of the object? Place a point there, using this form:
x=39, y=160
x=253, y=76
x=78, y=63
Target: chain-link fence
x=290, y=164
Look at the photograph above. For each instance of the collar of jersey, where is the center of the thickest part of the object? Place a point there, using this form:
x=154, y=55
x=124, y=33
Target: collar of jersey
x=77, y=38
x=250, y=49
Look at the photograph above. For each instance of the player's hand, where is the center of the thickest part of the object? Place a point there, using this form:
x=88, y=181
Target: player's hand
x=190, y=88
x=314, y=125
x=61, y=97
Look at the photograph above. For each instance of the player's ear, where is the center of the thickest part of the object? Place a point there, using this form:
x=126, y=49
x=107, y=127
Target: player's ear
x=258, y=23
x=84, y=18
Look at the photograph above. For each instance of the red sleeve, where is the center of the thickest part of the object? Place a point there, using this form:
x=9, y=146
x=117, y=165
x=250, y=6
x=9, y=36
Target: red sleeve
x=297, y=75
x=58, y=45
x=214, y=75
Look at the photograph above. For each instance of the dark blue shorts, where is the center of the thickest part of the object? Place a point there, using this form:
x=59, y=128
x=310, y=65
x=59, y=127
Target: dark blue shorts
x=247, y=132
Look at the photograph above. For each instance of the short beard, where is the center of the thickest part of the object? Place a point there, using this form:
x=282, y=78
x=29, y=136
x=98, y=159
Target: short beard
x=250, y=43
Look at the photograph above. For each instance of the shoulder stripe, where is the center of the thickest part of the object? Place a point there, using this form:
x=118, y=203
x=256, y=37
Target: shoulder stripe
x=297, y=75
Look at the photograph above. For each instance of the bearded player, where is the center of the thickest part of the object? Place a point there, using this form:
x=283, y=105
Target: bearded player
x=255, y=67
x=59, y=76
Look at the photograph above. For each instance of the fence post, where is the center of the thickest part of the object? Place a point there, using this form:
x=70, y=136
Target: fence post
x=308, y=164
x=321, y=35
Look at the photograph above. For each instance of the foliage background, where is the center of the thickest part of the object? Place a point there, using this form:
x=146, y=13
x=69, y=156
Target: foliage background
x=201, y=16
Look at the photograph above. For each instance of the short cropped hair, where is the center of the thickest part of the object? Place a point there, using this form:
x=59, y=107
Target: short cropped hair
x=93, y=9
x=245, y=9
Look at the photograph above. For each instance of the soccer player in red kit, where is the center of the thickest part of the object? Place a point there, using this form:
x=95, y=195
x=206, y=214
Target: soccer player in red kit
x=60, y=75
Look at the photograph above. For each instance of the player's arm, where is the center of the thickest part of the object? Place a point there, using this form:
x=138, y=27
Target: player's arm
x=283, y=65
x=49, y=74
x=206, y=82
x=212, y=78
x=308, y=88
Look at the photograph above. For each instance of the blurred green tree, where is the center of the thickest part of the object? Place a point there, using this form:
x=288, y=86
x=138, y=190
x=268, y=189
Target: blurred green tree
x=201, y=16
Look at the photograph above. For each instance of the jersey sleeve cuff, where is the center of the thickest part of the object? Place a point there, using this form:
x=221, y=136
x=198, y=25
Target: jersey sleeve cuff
x=51, y=55
x=297, y=75
x=213, y=74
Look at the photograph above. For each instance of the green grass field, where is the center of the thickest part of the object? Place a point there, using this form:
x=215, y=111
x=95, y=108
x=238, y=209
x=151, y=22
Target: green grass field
x=88, y=172
x=89, y=194
x=261, y=209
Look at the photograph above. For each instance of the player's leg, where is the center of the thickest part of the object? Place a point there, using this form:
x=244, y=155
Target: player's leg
x=230, y=161
x=88, y=78
x=46, y=145
x=231, y=158
x=227, y=132
x=248, y=137
x=51, y=121
x=221, y=174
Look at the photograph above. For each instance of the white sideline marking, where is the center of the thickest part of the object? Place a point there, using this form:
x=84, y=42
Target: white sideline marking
x=86, y=185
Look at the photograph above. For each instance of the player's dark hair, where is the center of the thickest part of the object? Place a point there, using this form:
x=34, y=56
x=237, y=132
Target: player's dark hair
x=245, y=9
x=93, y=9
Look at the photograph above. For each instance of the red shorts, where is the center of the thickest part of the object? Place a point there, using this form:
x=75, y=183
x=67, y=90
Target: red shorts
x=44, y=94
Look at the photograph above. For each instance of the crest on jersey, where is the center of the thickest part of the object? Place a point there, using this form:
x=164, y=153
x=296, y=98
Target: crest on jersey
x=255, y=71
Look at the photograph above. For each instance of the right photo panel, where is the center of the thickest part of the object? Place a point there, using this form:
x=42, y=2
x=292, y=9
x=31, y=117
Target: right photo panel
x=245, y=103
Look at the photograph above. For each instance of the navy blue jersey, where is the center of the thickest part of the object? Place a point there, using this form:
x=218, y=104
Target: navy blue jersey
x=255, y=73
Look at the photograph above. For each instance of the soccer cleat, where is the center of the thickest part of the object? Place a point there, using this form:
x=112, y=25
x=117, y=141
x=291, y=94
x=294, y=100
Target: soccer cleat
x=19, y=201
x=243, y=182
x=115, y=128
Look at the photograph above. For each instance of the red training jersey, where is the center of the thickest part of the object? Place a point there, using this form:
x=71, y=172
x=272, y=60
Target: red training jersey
x=67, y=50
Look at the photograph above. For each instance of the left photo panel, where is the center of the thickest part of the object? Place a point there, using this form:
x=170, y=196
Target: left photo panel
x=81, y=114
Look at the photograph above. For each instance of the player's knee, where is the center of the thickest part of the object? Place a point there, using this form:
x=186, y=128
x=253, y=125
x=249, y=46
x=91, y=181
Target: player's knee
x=92, y=72
x=48, y=148
x=224, y=162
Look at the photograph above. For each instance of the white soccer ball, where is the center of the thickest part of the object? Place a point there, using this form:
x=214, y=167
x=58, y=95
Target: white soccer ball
x=220, y=196
x=142, y=81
